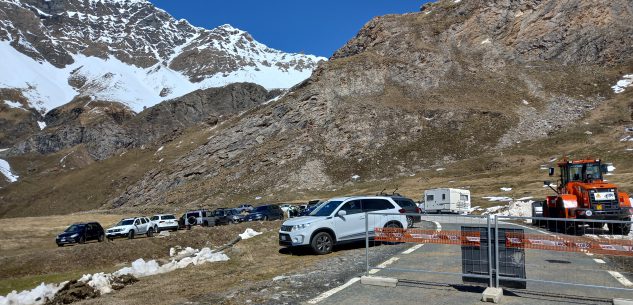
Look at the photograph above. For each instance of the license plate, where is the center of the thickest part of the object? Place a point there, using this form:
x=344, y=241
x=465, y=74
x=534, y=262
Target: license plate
x=599, y=207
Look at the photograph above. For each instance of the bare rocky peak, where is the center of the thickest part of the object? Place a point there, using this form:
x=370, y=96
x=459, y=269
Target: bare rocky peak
x=411, y=92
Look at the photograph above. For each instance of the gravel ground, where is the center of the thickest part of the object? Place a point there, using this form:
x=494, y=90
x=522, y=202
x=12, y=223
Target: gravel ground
x=297, y=288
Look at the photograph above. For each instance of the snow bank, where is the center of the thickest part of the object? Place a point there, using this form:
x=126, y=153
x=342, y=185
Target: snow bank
x=36, y=296
x=519, y=208
x=506, y=189
x=5, y=169
x=249, y=233
x=626, y=81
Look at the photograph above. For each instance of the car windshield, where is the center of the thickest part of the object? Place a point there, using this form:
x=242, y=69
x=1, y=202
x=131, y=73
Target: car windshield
x=260, y=209
x=405, y=203
x=125, y=222
x=326, y=208
x=169, y=217
x=74, y=228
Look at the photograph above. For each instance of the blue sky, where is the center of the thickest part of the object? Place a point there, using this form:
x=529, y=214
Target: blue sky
x=313, y=27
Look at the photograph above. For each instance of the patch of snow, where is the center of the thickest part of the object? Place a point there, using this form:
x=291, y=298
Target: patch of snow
x=160, y=148
x=588, y=132
x=486, y=41
x=41, y=124
x=629, y=149
x=13, y=104
x=258, y=197
x=440, y=169
x=280, y=277
x=457, y=1
x=525, y=102
x=519, y=208
x=552, y=185
x=610, y=168
x=35, y=296
x=552, y=159
x=506, y=189
x=355, y=177
x=249, y=233
x=4, y=149
x=493, y=198
x=5, y=169
x=164, y=234
x=626, y=81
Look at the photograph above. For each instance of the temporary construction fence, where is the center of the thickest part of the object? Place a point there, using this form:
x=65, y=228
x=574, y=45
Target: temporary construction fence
x=515, y=252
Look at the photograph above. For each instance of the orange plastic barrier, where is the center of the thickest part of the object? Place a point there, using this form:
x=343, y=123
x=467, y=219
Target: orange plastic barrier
x=427, y=236
x=570, y=243
x=564, y=243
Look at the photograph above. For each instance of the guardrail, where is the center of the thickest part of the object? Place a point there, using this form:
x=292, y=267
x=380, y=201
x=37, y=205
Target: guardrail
x=536, y=253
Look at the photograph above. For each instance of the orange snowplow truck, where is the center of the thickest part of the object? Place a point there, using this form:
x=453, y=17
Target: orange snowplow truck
x=582, y=193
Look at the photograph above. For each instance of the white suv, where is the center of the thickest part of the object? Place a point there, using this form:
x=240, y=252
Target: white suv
x=131, y=227
x=340, y=220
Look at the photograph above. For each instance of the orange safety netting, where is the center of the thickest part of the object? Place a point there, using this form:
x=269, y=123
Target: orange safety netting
x=595, y=244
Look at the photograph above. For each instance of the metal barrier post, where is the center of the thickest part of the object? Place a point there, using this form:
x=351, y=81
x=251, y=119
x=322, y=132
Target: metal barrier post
x=489, y=252
x=496, y=251
x=367, y=243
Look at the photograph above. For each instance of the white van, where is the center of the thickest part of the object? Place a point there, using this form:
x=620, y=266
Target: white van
x=447, y=200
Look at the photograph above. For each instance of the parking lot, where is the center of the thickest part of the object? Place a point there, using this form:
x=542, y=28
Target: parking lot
x=581, y=268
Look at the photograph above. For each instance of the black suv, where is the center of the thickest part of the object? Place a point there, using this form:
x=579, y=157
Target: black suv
x=81, y=233
x=265, y=212
x=225, y=216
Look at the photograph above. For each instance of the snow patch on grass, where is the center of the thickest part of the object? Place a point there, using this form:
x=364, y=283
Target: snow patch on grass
x=249, y=233
x=5, y=169
x=626, y=82
x=36, y=296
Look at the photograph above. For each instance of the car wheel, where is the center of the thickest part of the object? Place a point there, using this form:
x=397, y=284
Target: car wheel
x=409, y=221
x=130, y=235
x=150, y=232
x=82, y=239
x=192, y=221
x=101, y=238
x=60, y=245
x=392, y=225
x=322, y=243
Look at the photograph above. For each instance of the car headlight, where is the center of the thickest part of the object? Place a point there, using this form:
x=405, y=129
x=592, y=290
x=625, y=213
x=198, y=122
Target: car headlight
x=300, y=227
x=74, y=235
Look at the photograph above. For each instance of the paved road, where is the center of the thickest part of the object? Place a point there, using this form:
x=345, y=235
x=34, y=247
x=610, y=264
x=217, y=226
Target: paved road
x=432, y=289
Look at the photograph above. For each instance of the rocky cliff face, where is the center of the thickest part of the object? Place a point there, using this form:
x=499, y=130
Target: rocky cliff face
x=105, y=128
x=411, y=92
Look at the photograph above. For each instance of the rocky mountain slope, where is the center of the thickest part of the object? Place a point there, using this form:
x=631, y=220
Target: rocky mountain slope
x=129, y=52
x=458, y=81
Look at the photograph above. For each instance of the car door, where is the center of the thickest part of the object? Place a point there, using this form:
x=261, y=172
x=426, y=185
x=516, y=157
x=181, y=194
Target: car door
x=91, y=232
x=352, y=225
x=377, y=205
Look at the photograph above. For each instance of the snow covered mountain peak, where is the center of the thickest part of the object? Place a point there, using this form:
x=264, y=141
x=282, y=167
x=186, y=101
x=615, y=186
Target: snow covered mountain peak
x=128, y=51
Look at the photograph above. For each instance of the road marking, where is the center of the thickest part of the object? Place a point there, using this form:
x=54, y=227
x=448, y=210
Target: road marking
x=410, y=250
x=599, y=261
x=332, y=291
x=589, y=254
x=618, y=276
x=438, y=226
x=384, y=265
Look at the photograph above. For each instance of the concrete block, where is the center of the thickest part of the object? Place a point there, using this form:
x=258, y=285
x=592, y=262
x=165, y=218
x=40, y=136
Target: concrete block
x=622, y=302
x=492, y=295
x=378, y=281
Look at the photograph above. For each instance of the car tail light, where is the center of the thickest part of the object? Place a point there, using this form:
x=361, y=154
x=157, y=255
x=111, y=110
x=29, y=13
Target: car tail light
x=418, y=210
x=402, y=211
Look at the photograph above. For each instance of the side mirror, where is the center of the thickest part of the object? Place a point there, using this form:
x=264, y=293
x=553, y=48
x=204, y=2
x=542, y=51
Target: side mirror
x=341, y=213
x=547, y=183
x=551, y=171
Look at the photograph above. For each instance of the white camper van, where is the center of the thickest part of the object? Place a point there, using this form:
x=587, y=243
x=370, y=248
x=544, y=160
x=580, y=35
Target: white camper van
x=447, y=201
